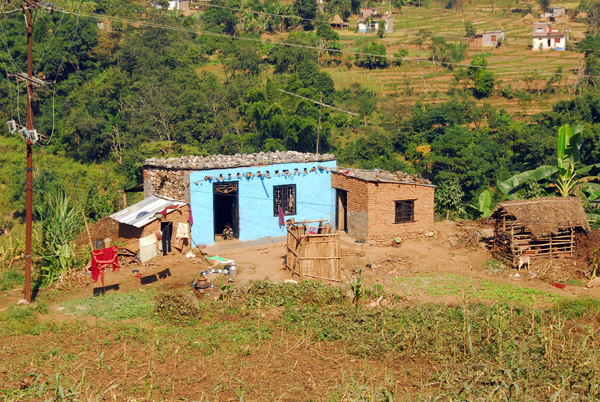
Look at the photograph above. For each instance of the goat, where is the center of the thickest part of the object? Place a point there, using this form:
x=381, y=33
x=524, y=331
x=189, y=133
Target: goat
x=524, y=260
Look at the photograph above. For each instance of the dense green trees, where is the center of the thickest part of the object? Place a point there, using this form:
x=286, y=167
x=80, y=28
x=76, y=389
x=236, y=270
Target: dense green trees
x=307, y=9
x=135, y=92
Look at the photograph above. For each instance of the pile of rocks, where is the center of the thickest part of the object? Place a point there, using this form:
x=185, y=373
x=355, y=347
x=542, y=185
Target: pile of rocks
x=237, y=160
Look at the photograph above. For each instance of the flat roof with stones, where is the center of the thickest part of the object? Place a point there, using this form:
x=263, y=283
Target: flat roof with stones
x=237, y=160
x=383, y=176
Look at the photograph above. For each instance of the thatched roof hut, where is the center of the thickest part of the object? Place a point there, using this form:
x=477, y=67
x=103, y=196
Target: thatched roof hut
x=546, y=216
x=338, y=22
x=539, y=227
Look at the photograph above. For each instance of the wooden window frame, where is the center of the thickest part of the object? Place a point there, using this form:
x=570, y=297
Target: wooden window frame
x=279, y=193
x=404, y=214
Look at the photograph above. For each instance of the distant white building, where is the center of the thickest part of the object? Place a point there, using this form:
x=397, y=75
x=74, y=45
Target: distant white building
x=546, y=38
x=371, y=23
x=175, y=5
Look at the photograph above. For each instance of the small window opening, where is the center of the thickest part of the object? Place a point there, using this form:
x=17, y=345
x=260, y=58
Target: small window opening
x=405, y=211
x=284, y=197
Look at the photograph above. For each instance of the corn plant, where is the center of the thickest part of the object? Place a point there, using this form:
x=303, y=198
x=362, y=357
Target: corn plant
x=60, y=225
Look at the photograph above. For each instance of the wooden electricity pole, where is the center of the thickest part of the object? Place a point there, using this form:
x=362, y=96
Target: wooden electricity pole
x=319, y=126
x=31, y=136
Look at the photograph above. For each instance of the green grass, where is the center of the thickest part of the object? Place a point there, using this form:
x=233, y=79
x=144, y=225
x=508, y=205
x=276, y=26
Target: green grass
x=115, y=306
x=432, y=284
x=11, y=278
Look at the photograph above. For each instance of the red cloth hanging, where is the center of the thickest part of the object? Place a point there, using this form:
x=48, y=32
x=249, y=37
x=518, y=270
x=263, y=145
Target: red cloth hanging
x=103, y=258
x=164, y=211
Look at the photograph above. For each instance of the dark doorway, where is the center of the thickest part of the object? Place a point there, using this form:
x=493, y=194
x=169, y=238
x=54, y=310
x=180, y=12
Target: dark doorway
x=226, y=207
x=166, y=234
x=341, y=209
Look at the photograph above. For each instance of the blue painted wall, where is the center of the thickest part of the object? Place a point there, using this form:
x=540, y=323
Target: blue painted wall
x=315, y=198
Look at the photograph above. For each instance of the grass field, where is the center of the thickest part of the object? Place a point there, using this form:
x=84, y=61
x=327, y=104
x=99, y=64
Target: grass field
x=305, y=342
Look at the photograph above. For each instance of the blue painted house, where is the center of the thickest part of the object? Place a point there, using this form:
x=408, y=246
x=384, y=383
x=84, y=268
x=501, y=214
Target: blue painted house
x=248, y=192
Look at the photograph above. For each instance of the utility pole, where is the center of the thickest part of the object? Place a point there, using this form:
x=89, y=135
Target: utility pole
x=29, y=187
x=320, y=103
x=30, y=135
x=319, y=126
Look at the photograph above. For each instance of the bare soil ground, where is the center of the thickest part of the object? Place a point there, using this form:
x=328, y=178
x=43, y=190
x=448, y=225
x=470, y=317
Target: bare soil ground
x=445, y=268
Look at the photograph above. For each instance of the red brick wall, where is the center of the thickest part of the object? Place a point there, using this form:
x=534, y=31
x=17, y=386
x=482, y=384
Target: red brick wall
x=372, y=208
x=357, y=203
x=382, y=210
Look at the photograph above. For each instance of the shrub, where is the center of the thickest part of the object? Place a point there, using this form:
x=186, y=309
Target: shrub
x=177, y=307
x=286, y=294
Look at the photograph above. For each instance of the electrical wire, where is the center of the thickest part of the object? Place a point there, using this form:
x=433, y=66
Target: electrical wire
x=15, y=67
x=58, y=69
x=54, y=32
x=257, y=40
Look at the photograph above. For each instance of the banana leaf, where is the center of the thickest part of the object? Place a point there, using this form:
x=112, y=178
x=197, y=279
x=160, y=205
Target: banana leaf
x=513, y=184
x=485, y=203
x=591, y=191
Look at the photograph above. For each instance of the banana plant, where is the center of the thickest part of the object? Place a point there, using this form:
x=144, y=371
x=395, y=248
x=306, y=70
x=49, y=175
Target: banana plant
x=569, y=146
x=569, y=179
x=483, y=209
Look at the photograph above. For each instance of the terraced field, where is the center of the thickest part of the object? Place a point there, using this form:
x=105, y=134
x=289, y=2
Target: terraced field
x=514, y=64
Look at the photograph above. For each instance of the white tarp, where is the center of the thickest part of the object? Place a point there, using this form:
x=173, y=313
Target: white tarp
x=148, y=248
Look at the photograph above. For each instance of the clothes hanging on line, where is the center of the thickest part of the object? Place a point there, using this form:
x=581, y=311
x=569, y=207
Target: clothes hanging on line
x=164, y=212
x=102, y=259
x=166, y=237
x=183, y=231
x=148, y=248
x=190, y=217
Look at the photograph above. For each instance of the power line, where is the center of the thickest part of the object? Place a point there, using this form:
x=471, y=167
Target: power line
x=317, y=102
x=257, y=40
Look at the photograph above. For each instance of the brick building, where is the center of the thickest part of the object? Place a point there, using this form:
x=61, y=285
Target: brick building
x=379, y=206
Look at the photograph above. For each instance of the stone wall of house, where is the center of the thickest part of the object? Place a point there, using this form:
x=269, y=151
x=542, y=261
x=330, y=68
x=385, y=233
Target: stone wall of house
x=172, y=183
x=382, y=211
x=357, y=203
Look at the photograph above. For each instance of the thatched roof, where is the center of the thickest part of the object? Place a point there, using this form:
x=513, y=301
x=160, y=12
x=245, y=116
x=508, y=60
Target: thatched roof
x=528, y=19
x=337, y=20
x=544, y=216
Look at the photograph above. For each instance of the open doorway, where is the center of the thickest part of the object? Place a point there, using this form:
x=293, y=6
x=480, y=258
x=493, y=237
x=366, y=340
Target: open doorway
x=341, y=209
x=226, y=207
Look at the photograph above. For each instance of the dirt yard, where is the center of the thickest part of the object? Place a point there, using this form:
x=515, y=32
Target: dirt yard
x=435, y=269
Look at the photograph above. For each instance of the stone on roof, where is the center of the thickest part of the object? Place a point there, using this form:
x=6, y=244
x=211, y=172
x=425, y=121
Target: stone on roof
x=383, y=176
x=237, y=160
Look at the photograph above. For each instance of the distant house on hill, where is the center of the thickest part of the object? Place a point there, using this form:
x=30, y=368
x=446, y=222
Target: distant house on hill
x=487, y=39
x=175, y=5
x=545, y=37
x=371, y=23
x=366, y=12
x=555, y=12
